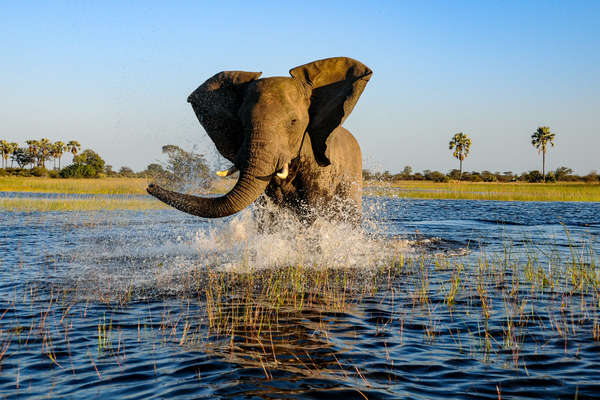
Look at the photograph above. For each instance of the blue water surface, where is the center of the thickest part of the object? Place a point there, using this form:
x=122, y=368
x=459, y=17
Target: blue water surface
x=91, y=306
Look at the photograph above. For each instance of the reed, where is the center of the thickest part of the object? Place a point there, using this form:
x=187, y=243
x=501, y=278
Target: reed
x=588, y=192
x=492, y=291
x=120, y=186
x=70, y=204
x=82, y=186
x=123, y=190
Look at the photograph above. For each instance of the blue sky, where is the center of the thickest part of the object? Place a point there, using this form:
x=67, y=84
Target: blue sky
x=115, y=75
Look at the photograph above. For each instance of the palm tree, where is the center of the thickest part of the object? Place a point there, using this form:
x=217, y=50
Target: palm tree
x=14, y=146
x=540, y=139
x=58, y=148
x=461, y=145
x=73, y=146
x=45, y=151
x=34, y=146
x=53, y=155
x=5, y=150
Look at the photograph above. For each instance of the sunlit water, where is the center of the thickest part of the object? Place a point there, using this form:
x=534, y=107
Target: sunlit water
x=68, y=278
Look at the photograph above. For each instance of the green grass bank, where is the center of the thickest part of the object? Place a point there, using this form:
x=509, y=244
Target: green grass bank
x=587, y=192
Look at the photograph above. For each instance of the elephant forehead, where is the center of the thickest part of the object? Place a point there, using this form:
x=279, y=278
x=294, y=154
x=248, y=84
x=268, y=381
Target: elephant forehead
x=282, y=89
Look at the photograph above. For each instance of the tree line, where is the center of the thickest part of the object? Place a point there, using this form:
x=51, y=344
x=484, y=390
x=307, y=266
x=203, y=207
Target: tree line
x=542, y=139
x=34, y=158
x=460, y=144
x=183, y=166
x=561, y=174
x=36, y=153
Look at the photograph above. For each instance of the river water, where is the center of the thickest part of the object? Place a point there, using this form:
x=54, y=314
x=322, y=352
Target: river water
x=99, y=304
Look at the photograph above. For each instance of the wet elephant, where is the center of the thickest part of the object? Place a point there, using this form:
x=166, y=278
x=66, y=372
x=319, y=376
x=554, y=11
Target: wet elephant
x=284, y=135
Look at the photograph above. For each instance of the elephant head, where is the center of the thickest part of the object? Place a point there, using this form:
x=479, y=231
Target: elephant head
x=259, y=125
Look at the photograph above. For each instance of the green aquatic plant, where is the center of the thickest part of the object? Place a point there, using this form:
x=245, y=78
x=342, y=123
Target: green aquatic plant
x=81, y=204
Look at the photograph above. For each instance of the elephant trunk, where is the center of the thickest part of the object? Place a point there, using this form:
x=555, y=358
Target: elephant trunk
x=245, y=192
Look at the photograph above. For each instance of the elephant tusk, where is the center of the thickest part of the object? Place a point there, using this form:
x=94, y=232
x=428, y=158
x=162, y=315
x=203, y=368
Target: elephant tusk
x=233, y=169
x=283, y=173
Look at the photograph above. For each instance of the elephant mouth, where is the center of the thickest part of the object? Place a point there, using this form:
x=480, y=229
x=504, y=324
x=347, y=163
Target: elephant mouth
x=281, y=173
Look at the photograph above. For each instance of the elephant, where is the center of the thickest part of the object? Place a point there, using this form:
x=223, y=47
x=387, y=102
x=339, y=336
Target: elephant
x=285, y=137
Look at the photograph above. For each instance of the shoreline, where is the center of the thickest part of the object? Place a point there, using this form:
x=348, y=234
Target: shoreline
x=97, y=189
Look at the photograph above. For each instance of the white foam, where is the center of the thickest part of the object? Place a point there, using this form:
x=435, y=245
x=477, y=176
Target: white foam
x=137, y=260
x=325, y=244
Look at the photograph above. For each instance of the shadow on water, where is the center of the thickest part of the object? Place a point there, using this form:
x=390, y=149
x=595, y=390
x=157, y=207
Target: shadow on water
x=432, y=299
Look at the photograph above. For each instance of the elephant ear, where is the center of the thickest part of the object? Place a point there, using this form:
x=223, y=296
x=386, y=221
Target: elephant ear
x=336, y=85
x=216, y=103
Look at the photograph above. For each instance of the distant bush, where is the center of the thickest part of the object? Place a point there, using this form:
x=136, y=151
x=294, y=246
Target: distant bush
x=18, y=171
x=88, y=164
x=455, y=175
x=108, y=171
x=436, y=176
x=507, y=176
x=91, y=158
x=54, y=174
x=39, y=171
x=78, y=171
x=487, y=176
x=12, y=171
x=592, y=177
x=550, y=177
x=561, y=174
x=126, y=172
x=3, y=172
x=418, y=176
x=476, y=178
x=153, y=170
x=533, y=176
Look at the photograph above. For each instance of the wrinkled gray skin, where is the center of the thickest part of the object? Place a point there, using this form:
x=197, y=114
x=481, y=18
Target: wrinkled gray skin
x=264, y=125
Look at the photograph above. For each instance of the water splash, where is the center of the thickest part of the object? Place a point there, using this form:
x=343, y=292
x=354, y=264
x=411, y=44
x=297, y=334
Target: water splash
x=160, y=257
x=325, y=244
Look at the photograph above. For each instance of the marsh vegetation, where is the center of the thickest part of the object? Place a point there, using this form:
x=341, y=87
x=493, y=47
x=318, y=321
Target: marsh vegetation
x=586, y=192
x=130, y=193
